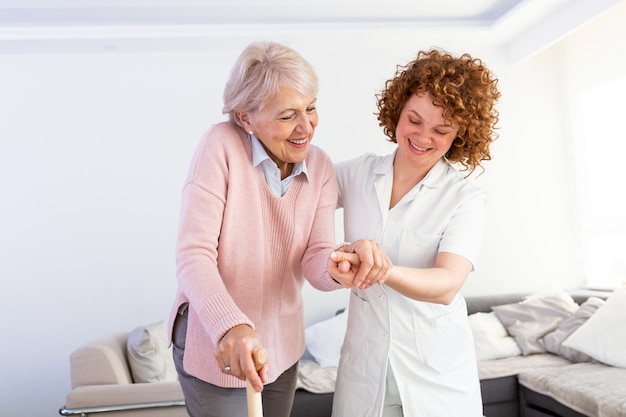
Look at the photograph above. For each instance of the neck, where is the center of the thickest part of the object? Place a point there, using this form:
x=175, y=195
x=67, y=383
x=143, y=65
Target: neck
x=409, y=173
x=404, y=179
x=285, y=169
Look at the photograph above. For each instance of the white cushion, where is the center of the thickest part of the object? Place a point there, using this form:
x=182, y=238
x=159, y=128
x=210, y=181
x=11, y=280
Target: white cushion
x=491, y=339
x=603, y=335
x=324, y=339
x=149, y=356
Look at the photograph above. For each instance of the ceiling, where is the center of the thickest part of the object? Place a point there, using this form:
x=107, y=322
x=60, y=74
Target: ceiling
x=54, y=13
x=522, y=25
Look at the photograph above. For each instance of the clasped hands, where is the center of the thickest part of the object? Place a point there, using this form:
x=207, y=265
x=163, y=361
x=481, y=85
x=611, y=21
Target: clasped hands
x=360, y=264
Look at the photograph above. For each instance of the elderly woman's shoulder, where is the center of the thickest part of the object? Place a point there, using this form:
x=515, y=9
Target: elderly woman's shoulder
x=222, y=135
x=318, y=154
x=223, y=129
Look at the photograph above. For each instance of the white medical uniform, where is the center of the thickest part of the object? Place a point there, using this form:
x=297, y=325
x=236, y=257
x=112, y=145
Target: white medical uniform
x=429, y=346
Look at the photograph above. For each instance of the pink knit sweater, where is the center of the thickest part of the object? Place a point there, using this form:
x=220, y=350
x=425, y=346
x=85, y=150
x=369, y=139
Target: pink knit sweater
x=243, y=253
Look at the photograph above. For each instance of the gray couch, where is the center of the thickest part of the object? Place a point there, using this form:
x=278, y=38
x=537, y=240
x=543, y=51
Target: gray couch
x=517, y=387
x=547, y=385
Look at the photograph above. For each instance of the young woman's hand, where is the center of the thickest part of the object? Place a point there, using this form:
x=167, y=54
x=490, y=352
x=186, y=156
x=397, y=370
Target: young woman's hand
x=368, y=264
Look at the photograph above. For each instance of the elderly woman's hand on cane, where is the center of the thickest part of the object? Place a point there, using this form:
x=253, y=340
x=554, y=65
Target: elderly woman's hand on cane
x=241, y=355
x=255, y=403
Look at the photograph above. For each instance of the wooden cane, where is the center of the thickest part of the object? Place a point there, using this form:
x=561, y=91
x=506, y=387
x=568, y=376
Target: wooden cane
x=255, y=404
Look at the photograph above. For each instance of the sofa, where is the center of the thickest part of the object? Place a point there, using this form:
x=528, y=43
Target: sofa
x=523, y=371
x=131, y=374
x=102, y=382
x=543, y=383
x=525, y=367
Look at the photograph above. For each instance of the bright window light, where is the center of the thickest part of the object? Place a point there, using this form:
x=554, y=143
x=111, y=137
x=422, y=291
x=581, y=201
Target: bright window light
x=600, y=148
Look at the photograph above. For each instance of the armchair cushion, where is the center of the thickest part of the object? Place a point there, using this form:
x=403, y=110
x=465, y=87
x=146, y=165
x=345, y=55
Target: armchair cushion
x=149, y=356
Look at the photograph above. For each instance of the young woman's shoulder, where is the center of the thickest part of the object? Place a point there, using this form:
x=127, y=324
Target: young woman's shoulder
x=367, y=161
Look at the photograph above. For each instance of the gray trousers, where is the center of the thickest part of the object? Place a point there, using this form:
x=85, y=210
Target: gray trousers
x=207, y=400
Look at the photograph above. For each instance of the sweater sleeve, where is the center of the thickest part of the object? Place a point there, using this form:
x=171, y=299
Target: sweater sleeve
x=202, y=209
x=322, y=237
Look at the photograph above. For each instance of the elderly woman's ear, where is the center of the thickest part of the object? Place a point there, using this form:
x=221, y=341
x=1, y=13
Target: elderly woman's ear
x=245, y=120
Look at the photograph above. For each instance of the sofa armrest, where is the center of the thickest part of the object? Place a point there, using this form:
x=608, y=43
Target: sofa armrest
x=484, y=303
x=115, y=394
x=101, y=362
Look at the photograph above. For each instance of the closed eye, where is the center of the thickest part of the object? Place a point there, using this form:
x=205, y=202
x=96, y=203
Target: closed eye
x=444, y=132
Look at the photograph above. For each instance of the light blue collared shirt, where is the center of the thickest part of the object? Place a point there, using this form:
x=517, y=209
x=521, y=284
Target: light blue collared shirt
x=270, y=169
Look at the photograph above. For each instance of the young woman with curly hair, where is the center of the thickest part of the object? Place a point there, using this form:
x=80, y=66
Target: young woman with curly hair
x=409, y=350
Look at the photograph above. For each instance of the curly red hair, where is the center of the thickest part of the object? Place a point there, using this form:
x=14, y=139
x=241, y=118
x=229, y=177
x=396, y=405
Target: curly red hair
x=463, y=86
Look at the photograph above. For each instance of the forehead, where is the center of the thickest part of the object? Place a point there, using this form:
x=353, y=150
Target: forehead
x=422, y=106
x=287, y=98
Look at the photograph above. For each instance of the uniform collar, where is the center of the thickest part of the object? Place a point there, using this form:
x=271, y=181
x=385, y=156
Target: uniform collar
x=433, y=179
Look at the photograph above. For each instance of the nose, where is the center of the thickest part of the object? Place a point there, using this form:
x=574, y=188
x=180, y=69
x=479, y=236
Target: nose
x=307, y=124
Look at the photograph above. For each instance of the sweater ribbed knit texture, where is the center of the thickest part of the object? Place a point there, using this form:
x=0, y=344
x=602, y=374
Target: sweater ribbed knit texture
x=243, y=253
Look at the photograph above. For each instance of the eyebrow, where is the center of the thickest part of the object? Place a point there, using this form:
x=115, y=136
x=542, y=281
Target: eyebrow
x=450, y=125
x=291, y=109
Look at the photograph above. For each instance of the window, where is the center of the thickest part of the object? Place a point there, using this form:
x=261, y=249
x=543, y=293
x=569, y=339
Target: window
x=592, y=62
x=600, y=180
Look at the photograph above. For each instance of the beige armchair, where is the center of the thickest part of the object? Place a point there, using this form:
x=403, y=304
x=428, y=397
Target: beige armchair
x=102, y=384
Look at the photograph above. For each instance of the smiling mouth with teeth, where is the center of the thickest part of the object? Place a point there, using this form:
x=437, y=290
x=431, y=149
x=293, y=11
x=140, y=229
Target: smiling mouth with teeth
x=414, y=146
x=298, y=142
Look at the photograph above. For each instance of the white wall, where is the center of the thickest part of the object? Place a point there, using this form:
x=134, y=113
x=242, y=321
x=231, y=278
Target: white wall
x=95, y=139
x=531, y=231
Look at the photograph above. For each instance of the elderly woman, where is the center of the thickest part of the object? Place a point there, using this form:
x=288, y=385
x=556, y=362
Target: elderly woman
x=257, y=217
x=409, y=350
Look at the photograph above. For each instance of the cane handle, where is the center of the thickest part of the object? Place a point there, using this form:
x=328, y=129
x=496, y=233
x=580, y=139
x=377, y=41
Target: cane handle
x=255, y=404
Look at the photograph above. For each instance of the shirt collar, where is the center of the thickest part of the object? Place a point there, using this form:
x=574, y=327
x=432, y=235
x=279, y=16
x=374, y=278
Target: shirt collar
x=432, y=179
x=259, y=155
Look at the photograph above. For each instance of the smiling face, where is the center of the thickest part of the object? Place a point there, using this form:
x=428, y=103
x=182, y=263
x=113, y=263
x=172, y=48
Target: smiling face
x=285, y=126
x=424, y=136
